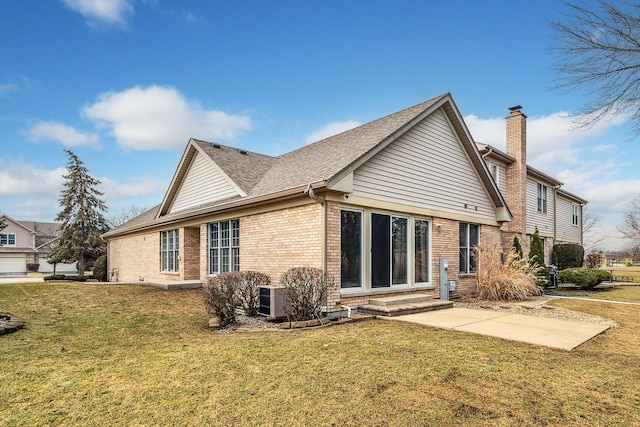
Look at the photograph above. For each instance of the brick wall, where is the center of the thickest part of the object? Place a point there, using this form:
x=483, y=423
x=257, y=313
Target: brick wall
x=275, y=241
x=137, y=256
x=334, y=252
x=190, y=253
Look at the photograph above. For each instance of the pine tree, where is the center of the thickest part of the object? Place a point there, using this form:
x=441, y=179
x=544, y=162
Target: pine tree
x=536, y=255
x=518, y=248
x=81, y=216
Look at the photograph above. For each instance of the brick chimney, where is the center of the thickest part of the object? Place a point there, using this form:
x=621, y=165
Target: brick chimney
x=517, y=172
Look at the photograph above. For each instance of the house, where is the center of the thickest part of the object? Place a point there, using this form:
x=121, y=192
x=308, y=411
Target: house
x=25, y=245
x=535, y=199
x=377, y=207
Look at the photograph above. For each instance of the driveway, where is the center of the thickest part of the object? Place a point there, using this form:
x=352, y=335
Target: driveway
x=554, y=333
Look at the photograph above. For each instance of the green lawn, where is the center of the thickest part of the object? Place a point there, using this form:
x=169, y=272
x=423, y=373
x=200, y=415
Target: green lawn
x=132, y=355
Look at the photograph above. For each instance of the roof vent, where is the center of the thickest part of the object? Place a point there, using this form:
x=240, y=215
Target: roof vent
x=243, y=152
x=217, y=146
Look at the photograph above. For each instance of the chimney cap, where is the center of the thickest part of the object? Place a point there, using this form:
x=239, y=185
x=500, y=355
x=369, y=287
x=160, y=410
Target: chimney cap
x=516, y=108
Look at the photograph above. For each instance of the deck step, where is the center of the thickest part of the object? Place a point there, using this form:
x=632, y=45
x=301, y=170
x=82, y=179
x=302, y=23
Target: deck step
x=402, y=309
x=401, y=300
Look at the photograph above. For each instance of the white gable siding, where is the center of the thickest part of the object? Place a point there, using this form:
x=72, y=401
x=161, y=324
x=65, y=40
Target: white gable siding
x=425, y=167
x=566, y=231
x=203, y=183
x=544, y=222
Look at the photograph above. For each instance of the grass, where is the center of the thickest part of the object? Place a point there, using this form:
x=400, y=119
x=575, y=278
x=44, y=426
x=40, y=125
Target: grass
x=630, y=274
x=131, y=355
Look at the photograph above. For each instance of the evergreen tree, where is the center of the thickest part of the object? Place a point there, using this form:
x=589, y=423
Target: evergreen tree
x=81, y=217
x=517, y=247
x=536, y=255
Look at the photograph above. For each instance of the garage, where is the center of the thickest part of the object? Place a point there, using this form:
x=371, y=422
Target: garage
x=13, y=263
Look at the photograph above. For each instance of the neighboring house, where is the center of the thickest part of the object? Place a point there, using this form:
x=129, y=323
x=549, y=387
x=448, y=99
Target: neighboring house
x=376, y=207
x=24, y=243
x=535, y=199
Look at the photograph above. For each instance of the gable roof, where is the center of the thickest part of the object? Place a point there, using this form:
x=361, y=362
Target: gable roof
x=321, y=164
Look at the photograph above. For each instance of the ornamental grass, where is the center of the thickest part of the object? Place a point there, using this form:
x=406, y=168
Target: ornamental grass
x=513, y=279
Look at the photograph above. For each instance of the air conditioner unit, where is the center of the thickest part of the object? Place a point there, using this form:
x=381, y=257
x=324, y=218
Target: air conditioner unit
x=272, y=301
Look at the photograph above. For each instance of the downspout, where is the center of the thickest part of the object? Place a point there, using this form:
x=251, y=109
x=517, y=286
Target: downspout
x=309, y=191
x=484, y=156
x=555, y=213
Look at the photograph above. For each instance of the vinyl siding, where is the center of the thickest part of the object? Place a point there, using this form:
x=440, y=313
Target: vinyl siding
x=502, y=175
x=566, y=231
x=425, y=167
x=203, y=183
x=544, y=222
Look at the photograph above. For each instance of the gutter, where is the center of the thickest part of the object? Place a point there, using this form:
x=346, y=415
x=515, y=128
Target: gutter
x=289, y=193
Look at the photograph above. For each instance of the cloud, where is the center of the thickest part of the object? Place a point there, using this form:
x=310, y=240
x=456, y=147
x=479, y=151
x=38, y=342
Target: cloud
x=66, y=135
x=330, y=130
x=109, y=12
x=132, y=189
x=20, y=179
x=160, y=118
x=7, y=88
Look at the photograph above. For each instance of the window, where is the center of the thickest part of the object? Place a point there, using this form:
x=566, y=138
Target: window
x=422, y=258
x=494, y=169
x=351, y=249
x=224, y=246
x=170, y=250
x=542, y=198
x=574, y=216
x=7, y=239
x=469, y=238
x=389, y=250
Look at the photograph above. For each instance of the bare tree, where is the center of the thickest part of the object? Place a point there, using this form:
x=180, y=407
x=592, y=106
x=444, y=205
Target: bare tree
x=124, y=215
x=591, y=239
x=598, y=51
x=630, y=227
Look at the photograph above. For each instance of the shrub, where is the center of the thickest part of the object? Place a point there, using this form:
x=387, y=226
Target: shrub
x=221, y=296
x=517, y=247
x=536, y=258
x=248, y=291
x=305, y=292
x=33, y=267
x=567, y=255
x=516, y=278
x=586, y=278
x=100, y=268
x=55, y=277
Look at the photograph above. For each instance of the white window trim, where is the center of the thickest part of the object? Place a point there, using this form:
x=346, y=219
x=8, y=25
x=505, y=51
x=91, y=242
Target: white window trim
x=575, y=215
x=175, y=249
x=7, y=238
x=467, y=272
x=231, y=247
x=495, y=166
x=428, y=284
x=409, y=253
x=363, y=254
x=542, y=199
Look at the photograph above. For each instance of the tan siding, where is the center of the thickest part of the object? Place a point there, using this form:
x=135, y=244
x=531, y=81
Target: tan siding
x=24, y=238
x=425, y=167
x=544, y=222
x=566, y=231
x=203, y=183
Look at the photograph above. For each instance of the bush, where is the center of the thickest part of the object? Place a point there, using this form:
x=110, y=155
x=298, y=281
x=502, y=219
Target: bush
x=586, y=278
x=305, y=292
x=100, y=268
x=248, y=291
x=515, y=279
x=33, y=267
x=567, y=255
x=536, y=258
x=221, y=296
x=55, y=277
x=517, y=247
